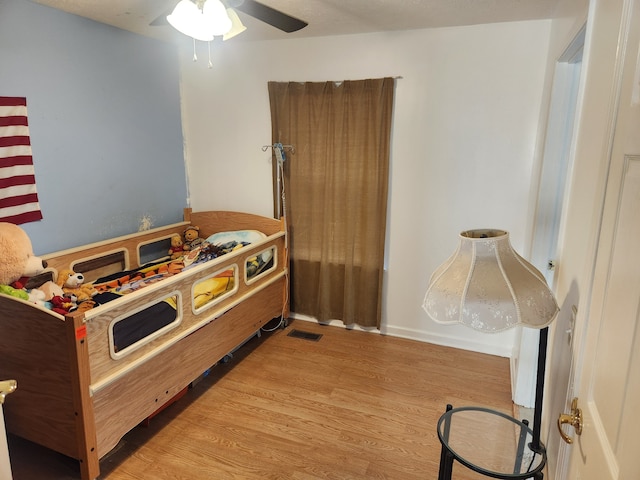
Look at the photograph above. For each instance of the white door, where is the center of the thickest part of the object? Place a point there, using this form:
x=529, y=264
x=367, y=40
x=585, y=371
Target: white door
x=607, y=377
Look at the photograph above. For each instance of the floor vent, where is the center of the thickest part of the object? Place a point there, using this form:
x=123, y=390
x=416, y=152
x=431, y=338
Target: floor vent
x=305, y=335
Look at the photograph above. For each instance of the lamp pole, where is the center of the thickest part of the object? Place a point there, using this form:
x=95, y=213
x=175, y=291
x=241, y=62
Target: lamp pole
x=536, y=445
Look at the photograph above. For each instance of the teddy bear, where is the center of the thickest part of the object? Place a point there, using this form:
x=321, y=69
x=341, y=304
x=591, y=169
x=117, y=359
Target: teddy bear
x=17, y=259
x=192, y=237
x=72, y=283
x=177, y=247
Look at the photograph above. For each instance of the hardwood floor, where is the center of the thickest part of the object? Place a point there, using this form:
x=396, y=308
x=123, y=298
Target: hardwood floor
x=352, y=405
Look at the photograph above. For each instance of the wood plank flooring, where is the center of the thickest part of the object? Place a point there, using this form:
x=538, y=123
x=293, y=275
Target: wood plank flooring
x=352, y=405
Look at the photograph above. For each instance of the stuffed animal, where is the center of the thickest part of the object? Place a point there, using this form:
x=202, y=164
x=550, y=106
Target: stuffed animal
x=33, y=296
x=17, y=259
x=177, y=247
x=192, y=237
x=72, y=284
x=37, y=296
x=14, y=292
x=51, y=290
x=69, y=303
x=62, y=305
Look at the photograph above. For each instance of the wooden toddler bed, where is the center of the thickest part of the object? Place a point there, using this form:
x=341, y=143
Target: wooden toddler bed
x=81, y=389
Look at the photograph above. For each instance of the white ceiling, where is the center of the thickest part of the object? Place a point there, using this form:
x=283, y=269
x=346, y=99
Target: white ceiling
x=325, y=17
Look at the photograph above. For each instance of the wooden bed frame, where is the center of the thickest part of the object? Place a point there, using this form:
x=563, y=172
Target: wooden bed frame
x=74, y=397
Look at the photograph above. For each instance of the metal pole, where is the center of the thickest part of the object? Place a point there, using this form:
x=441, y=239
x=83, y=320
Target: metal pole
x=536, y=445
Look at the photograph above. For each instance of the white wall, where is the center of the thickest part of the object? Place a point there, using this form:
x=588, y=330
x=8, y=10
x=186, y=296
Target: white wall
x=465, y=124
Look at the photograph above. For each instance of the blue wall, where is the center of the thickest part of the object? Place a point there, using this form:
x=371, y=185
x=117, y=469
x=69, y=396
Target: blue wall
x=105, y=124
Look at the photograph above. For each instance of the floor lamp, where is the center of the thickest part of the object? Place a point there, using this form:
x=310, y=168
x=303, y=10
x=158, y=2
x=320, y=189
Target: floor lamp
x=487, y=286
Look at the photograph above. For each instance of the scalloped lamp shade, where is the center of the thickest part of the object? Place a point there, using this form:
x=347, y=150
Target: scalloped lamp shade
x=487, y=286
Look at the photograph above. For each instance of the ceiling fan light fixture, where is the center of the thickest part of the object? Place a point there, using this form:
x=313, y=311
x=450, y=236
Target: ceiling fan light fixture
x=203, y=24
x=216, y=18
x=237, y=26
x=187, y=19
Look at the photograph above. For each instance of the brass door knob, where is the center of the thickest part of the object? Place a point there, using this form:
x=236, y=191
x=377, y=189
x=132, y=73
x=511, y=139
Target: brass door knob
x=6, y=387
x=574, y=419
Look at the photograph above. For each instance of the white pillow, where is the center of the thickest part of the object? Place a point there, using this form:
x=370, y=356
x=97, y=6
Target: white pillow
x=248, y=236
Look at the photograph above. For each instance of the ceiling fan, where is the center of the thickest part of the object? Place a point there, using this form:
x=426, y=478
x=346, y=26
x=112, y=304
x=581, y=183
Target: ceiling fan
x=262, y=12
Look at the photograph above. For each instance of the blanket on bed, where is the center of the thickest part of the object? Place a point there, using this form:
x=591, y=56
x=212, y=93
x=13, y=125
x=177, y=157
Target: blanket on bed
x=129, y=281
x=122, y=283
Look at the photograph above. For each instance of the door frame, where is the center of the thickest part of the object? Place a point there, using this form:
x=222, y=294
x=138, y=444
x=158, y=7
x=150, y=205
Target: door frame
x=553, y=189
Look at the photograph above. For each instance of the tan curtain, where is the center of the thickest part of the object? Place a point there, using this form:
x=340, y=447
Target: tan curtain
x=336, y=186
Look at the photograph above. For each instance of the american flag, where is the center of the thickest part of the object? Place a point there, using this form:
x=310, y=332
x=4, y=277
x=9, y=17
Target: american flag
x=18, y=196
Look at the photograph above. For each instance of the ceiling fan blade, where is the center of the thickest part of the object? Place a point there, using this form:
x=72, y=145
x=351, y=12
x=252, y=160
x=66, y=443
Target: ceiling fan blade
x=269, y=15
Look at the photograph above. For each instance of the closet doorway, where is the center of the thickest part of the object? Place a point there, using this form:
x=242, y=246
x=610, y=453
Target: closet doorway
x=547, y=228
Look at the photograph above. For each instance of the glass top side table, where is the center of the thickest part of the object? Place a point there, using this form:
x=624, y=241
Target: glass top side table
x=488, y=442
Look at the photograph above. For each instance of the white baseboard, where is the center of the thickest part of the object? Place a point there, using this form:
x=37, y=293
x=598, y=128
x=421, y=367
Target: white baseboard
x=448, y=341
x=421, y=336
